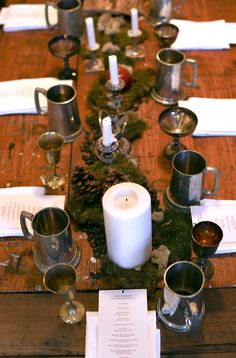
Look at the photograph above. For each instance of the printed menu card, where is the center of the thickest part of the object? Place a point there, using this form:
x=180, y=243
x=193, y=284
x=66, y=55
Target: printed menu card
x=123, y=324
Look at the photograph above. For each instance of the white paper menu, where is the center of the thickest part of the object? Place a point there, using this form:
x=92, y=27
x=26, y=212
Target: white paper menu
x=12, y=205
x=123, y=324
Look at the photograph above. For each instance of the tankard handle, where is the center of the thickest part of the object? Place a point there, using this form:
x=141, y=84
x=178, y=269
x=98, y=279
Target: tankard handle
x=23, y=216
x=216, y=174
x=193, y=63
x=37, y=91
x=191, y=316
x=47, y=5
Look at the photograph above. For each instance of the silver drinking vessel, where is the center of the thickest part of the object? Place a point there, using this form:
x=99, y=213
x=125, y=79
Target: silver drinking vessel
x=181, y=307
x=170, y=73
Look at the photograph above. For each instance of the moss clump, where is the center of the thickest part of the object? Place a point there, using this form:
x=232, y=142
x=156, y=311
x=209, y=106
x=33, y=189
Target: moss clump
x=142, y=83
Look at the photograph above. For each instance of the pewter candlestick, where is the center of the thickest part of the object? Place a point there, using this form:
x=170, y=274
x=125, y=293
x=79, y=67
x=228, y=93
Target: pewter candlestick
x=134, y=50
x=119, y=119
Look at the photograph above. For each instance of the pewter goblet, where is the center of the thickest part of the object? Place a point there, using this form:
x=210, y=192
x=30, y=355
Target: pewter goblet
x=166, y=33
x=60, y=279
x=51, y=143
x=65, y=46
x=206, y=237
x=177, y=122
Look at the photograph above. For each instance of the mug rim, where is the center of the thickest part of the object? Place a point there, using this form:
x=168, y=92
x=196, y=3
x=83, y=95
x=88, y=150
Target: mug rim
x=189, y=151
x=47, y=208
x=61, y=85
x=77, y=6
x=173, y=50
x=190, y=264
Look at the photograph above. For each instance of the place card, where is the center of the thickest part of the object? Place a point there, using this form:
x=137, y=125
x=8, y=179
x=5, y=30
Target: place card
x=12, y=205
x=225, y=217
x=123, y=324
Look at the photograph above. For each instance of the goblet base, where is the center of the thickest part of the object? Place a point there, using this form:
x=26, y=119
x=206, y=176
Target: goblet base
x=67, y=74
x=72, y=313
x=94, y=65
x=53, y=182
x=171, y=149
x=135, y=52
x=208, y=269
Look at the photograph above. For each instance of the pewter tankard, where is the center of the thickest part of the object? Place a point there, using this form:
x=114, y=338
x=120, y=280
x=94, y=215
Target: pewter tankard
x=52, y=236
x=160, y=10
x=69, y=14
x=181, y=307
x=63, y=114
x=170, y=82
x=187, y=184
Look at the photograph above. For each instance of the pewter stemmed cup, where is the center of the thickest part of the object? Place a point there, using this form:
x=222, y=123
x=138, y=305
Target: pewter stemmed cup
x=166, y=33
x=51, y=143
x=206, y=237
x=60, y=279
x=177, y=122
x=65, y=46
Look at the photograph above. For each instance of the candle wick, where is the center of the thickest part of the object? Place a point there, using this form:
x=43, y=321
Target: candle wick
x=126, y=199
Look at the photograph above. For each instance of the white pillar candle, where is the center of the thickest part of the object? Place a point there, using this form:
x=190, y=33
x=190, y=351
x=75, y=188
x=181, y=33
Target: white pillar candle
x=107, y=135
x=128, y=224
x=113, y=69
x=134, y=21
x=90, y=33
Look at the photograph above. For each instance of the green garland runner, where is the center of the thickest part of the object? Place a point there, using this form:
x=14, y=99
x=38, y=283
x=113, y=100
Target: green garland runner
x=90, y=181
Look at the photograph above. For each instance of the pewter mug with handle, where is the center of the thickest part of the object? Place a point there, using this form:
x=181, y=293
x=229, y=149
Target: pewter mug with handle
x=63, y=114
x=181, y=307
x=170, y=82
x=51, y=232
x=69, y=14
x=187, y=185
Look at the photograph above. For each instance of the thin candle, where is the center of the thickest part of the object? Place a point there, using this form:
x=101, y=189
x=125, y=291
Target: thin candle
x=113, y=67
x=134, y=21
x=107, y=136
x=90, y=33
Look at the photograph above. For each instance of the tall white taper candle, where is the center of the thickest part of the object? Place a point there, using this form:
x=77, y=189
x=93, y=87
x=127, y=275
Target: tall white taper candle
x=134, y=21
x=90, y=33
x=107, y=136
x=113, y=67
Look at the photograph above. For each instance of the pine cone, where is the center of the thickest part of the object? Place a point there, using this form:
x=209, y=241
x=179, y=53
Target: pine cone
x=85, y=185
x=114, y=176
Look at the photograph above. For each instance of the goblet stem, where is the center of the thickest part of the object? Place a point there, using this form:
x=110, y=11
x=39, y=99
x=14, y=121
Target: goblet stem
x=66, y=62
x=202, y=263
x=54, y=172
x=176, y=144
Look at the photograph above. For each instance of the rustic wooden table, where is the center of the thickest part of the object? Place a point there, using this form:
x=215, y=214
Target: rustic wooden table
x=29, y=325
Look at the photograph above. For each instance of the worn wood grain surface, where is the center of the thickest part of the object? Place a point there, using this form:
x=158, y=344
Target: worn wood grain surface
x=25, y=55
